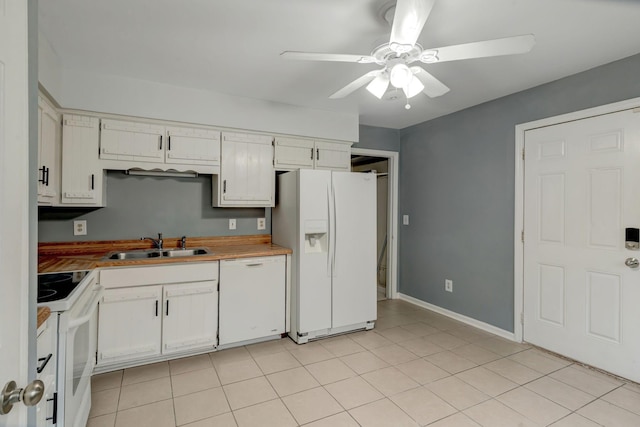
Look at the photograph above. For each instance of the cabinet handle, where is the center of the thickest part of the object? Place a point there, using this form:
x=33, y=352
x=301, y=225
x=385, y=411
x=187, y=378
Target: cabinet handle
x=258, y=264
x=42, y=169
x=156, y=308
x=46, y=176
x=167, y=312
x=317, y=154
x=224, y=187
x=311, y=153
x=54, y=416
x=169, y=143
x=160, y=142
x=93, y=178
x=44, y=361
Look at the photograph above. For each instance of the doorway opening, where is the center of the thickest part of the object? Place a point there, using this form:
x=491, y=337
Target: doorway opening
x=373, y=163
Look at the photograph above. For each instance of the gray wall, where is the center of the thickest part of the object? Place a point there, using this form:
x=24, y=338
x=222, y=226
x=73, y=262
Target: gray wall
x=375, y=138
x=144, y=206
x=457, y=185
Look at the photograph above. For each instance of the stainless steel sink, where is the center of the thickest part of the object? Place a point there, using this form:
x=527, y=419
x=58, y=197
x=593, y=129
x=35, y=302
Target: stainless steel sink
x=185, y=252
x=134, y=254
x=169, y=253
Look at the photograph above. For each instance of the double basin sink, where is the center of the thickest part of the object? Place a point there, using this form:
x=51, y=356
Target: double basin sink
x=155, y=253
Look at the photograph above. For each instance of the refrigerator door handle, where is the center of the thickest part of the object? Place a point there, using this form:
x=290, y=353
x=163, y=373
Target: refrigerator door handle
x=329, y=237
x=335, y=231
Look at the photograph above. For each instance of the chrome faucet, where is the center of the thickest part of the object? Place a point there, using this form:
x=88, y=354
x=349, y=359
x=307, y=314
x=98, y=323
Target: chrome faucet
x=158, y=243
x=183, y=242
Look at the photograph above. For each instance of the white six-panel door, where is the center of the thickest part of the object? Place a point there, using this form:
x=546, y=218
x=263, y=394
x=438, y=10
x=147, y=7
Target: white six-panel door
x=582, y=188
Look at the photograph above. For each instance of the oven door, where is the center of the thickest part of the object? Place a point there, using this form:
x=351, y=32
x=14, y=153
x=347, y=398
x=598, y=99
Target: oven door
x=80, y=337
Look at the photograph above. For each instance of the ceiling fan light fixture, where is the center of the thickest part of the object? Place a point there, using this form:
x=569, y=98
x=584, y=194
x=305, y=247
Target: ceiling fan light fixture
x=400, y=75
x=378, y=86
x=413, y=88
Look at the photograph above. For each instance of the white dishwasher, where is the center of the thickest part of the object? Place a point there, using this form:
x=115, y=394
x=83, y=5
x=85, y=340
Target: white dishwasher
x=252, y=298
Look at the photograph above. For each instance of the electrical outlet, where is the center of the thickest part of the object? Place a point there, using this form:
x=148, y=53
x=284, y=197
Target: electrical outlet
x=262, y=223
x=232, y=224
x=80, y=228
x=448, y=285
x=405, y=219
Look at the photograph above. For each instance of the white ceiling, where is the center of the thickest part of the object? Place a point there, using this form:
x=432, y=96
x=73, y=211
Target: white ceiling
x=233, y=46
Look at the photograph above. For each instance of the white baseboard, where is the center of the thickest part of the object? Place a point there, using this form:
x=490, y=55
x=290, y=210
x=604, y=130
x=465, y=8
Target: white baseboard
x=459, y=317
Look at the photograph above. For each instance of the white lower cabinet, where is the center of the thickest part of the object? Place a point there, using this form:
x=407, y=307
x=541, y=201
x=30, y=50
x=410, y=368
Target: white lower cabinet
x=129, y=324
x=252, y=298
x=149, y=312
x=190, y=318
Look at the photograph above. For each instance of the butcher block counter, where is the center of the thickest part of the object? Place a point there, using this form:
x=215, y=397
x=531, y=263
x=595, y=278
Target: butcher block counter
x=70, y=256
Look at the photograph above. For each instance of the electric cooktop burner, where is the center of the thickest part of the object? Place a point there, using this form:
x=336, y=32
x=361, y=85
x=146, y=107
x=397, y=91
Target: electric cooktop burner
x=58, y=286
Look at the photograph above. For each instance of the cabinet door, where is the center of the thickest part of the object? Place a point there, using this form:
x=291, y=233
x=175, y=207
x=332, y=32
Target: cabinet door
x=193, y=146
x=252, y=298
x=142, y=142
x=48, y=149
x=129, y=324
x=190, y=316
x=333, y=155
x=247, y=177
x=82, y=175
x=290, y=153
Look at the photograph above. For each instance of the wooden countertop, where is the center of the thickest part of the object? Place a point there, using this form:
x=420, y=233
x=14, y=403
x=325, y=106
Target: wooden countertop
x=70, y=256
x=43, y=315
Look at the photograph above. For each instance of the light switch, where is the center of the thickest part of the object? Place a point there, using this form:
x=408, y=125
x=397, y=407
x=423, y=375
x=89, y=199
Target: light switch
x=405, y=219
x=232, y=224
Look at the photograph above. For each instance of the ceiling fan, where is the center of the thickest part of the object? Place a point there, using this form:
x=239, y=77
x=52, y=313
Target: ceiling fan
x=397, y=56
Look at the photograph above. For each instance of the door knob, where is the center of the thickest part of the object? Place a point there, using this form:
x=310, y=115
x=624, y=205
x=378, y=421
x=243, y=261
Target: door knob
x=632, y=262
x=30, y=395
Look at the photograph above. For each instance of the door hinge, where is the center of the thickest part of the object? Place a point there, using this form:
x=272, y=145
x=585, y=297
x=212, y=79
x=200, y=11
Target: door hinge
x=523, y=154
x=522, y=236
x=522, y=317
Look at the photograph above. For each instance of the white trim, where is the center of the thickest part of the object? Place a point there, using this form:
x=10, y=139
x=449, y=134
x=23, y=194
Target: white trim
x=518, y=245
x=459, y=317
x=392, y=216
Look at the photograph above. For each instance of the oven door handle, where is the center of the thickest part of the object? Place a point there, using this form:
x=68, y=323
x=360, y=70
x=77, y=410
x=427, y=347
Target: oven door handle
x=85, y=317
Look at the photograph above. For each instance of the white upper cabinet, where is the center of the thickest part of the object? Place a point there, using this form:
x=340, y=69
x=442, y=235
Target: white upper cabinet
x=247, y=177
x=49, y=135
x=82, y=175
x=128, y=144
x=192, y=146
x=333, y=155
x=141, y=142
x=292, y=153
x=298, y=153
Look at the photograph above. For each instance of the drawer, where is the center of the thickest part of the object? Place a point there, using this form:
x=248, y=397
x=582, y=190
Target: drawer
x=47, y=347
x=158, y=274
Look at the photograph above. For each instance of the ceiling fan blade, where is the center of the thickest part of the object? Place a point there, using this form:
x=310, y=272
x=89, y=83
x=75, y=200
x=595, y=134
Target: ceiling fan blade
x=497, y=47
x=335, y=57
x=432, y=86
x=356, y=84
x=408, y=21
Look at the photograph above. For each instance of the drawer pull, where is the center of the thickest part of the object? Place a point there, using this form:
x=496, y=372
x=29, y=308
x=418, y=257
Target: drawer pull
x=258, y=264
x=54, y=417
x=44, y=361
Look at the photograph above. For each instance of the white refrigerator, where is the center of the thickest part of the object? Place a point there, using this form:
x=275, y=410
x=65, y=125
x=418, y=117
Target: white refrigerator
x=328, y=218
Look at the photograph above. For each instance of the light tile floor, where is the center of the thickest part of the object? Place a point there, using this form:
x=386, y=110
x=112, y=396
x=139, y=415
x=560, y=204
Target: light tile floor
x=416, y=368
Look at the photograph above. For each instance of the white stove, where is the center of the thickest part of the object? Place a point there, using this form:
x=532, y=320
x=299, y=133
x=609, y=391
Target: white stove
x=73, y=296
